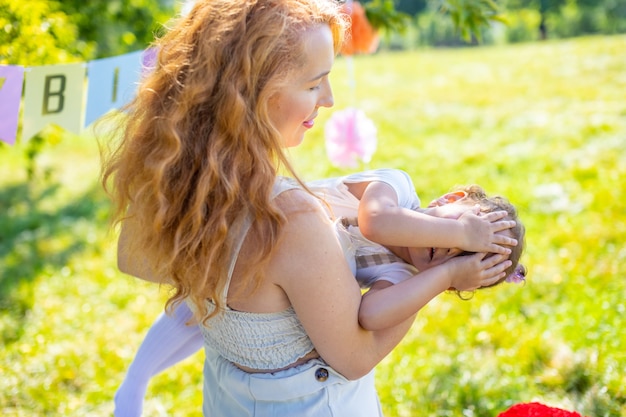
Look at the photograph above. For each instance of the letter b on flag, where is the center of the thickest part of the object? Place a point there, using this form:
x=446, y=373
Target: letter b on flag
x=53, y=95
x=53, y=98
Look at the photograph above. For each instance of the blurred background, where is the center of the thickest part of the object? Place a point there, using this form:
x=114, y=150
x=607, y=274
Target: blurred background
x=526, y=98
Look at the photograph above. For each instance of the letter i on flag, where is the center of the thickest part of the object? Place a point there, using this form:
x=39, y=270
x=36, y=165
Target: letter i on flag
x=112, y=83
x=11, y=80
x=53, y=94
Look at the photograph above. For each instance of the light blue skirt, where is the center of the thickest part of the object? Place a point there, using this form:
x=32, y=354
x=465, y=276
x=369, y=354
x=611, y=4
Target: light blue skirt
x=312, y=389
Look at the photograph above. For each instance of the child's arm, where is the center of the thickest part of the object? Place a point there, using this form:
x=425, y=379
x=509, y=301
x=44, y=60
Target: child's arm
x=386, y=304
x=381, y=220
x=169, y=341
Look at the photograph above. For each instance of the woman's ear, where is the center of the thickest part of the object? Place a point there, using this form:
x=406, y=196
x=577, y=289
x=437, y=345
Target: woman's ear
x=448, y=198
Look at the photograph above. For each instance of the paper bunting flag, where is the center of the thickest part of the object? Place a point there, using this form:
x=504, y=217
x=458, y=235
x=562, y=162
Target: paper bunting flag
x=11, y=80
x=112, y=83
x=53, y=94
x=148, y=60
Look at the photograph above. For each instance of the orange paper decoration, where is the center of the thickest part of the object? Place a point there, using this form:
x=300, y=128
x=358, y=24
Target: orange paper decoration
x=362, y=37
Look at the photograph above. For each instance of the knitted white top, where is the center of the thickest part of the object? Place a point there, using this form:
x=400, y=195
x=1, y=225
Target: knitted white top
x=277, y=340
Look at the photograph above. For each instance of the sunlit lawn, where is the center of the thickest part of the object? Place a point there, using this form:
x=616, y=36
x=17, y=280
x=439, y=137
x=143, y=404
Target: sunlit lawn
x=543, y=124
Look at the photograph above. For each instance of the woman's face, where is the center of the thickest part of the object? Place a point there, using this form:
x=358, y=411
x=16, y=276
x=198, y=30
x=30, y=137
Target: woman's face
x=294, y=108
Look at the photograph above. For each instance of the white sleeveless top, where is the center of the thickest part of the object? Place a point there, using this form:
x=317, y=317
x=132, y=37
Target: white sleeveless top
x=276, y=340
x=256, y=340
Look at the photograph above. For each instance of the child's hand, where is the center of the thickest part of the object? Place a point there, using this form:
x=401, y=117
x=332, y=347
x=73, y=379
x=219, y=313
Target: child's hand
x=468, y=273
x=487, y=232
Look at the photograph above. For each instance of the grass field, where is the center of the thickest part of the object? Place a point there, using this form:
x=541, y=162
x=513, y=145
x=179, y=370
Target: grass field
x=543, y=124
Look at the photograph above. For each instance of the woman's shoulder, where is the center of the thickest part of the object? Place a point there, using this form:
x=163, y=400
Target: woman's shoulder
x=283, y=184
x=296, y=203
x=291, y=197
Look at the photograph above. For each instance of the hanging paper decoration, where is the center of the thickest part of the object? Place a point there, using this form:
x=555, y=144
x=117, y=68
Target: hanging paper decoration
x=53, y=94
x=112, y=83
x=362, y=37
x=350, y=136
x=11, y=77
x=148, y=60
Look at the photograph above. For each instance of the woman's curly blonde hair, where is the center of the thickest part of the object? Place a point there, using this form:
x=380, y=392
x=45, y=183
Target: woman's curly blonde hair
x=197, y=147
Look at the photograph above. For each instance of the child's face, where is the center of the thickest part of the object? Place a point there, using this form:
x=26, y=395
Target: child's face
x=449, y=206
x=425, y=258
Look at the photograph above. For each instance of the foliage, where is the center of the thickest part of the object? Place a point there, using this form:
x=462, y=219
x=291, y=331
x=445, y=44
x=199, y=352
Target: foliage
x=37, y=32
x=470, y=16
x=436, y=29
x=515, y=21
x=507, y=118
x=42, y=32
x=118, y=26
x=566, y=18
x=383, y=15
x=522, y=26
x=412, y=7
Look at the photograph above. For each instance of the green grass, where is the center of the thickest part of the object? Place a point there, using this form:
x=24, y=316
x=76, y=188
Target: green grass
x=543, y=124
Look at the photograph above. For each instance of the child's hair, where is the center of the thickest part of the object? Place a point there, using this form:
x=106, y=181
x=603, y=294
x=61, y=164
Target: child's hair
x=477, y=195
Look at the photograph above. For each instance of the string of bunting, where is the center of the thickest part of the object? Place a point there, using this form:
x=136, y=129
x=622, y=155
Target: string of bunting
x=71, y=96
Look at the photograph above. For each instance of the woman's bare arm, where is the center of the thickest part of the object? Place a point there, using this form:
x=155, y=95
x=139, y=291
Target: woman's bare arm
x=130, y=258
x=310, y=267
x=386, y=304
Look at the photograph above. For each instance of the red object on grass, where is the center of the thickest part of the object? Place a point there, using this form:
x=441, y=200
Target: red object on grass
x=536, y=410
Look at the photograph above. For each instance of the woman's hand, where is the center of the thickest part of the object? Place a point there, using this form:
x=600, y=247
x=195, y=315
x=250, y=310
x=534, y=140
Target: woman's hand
x=487, y=232
x=470, y=272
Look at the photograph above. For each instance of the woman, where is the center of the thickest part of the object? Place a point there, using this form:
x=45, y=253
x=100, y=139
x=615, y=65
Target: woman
x=398, y=286
x=195, y=185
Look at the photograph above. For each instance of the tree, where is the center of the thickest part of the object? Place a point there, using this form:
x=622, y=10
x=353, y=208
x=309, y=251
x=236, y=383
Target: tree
x=469, y=16
x=40, y=32
x=412, y=7
x=46, y=32
x=37, y=32
x=544, y=7
x=118, y=26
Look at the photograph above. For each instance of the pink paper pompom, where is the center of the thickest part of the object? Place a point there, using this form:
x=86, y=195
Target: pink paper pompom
x=350, y=136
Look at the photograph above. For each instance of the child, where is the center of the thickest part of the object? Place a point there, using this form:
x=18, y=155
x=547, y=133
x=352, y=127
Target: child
x=395, y=292
x=364, y=203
